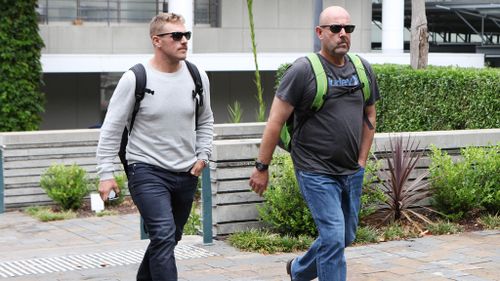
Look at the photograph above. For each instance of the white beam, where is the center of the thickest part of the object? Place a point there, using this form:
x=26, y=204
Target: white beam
x=80, y=63
x=186, y=9
x=393, y=12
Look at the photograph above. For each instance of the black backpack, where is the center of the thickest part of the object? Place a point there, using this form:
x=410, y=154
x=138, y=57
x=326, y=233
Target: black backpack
x=141, y=90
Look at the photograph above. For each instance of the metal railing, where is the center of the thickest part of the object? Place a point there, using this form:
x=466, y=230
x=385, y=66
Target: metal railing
x=206, y=12
x=107, y=11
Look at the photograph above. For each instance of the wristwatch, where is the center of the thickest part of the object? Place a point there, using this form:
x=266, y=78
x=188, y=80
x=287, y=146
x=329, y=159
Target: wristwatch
x=205, y=161
x=261, y=167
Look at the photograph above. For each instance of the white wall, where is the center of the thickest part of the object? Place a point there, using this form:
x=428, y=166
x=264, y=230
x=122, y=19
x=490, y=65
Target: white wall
x=280, y=26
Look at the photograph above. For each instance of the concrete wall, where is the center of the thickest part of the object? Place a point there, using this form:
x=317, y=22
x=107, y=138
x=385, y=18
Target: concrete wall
x=280, y=26
x=27, y=155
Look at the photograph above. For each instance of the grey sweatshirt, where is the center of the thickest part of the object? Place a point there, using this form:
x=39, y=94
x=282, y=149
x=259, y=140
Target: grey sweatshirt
x=164, y=132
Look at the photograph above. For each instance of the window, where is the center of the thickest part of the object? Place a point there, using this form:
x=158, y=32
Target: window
x=207, y=13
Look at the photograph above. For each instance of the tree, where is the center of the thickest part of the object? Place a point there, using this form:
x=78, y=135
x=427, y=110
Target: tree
x=419, y=44
x=261, y=112
x=21, y=100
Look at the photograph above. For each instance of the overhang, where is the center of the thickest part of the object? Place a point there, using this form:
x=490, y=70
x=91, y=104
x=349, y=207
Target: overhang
x=81, y=63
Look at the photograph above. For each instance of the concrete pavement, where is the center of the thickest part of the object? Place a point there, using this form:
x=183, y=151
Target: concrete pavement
x=109, y=248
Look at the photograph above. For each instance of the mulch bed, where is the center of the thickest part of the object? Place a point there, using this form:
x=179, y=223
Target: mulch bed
x=126, y=207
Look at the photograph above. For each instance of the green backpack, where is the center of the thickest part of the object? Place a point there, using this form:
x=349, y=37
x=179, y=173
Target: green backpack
x=285, y=141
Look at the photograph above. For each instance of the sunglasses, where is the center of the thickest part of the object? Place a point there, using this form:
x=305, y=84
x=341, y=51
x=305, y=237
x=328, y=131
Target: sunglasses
x=336, y=28
x=177, y=36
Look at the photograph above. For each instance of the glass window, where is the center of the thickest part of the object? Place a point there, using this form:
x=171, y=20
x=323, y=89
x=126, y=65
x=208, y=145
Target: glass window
x=207, y=13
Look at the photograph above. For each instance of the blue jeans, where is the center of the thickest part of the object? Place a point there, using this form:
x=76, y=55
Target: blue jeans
x=164, y=201
x=334, y=202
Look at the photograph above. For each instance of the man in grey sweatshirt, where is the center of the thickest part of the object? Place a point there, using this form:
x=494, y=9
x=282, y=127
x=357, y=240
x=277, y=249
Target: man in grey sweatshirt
x=167, y=148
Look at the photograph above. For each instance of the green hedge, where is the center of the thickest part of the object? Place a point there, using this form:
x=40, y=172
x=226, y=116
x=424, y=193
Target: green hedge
x=435, y=98
x=20, y=68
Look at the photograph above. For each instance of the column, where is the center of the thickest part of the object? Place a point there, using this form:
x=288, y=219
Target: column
x=186, y=9
x=393, y=26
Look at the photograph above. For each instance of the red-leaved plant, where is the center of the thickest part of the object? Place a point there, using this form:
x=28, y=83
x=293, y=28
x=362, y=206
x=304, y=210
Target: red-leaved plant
x=403, y=194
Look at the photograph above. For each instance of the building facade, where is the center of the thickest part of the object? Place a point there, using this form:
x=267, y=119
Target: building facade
x=90, y=43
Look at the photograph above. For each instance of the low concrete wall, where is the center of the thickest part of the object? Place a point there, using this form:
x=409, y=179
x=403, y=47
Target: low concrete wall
x=236, y=147
x=27, y=155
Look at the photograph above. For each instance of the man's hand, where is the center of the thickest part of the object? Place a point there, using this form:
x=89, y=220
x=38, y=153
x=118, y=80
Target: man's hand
x=197, y=168
x=106, y=186
x=259, y=180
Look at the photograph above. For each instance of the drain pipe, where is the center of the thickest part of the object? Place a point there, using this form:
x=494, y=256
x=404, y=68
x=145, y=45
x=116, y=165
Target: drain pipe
x=206, y=204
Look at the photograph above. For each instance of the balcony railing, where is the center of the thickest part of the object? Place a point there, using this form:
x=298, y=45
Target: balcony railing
x=206, y=12
x=106, y=11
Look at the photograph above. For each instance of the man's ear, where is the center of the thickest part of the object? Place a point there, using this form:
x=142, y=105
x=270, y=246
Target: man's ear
x=319, y=32
x=156, y=41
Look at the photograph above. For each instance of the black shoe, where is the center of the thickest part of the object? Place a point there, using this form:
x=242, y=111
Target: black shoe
x=289, y=268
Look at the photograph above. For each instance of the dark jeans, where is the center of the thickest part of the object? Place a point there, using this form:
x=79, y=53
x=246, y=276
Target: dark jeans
x=164, y=201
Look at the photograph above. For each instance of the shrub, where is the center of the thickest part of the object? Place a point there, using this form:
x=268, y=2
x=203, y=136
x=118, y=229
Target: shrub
x=435, y=98
x=286, y=211
x=470, y=184
x=66, y=185
x=20, y=68
x=372, y=195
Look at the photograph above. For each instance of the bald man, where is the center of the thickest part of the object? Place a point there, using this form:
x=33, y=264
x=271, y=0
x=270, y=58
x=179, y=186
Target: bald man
x=329, y=149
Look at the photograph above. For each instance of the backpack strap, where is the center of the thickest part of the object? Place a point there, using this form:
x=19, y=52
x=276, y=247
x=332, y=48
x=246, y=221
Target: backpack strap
x=320, y=77
x=321, y=81
x=198, y=91
x=365, y=83
x=361, y=71
x=140, y=90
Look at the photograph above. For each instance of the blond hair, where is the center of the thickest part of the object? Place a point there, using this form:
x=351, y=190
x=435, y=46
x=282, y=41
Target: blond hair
x=156, y=24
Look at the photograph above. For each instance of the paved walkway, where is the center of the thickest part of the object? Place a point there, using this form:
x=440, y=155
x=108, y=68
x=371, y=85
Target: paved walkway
x=109, y=248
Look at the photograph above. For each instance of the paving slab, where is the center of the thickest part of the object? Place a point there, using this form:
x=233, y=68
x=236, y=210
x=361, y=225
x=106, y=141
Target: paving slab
x=109, y=248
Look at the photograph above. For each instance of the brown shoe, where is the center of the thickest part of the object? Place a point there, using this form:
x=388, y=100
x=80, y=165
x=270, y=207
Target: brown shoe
x=289, y=268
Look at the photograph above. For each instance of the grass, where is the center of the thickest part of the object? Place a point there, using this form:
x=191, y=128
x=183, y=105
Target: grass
x=366, y=235
x=265, y=242
x=106, y=213
x=490, y=221
x=46, y=214
x=393, y=232
x=444, y=227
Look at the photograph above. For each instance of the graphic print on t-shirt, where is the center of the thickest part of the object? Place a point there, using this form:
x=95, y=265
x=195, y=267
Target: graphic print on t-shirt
x=336, y=82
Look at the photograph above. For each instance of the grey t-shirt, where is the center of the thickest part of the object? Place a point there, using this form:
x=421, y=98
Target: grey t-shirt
x=328, y=142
